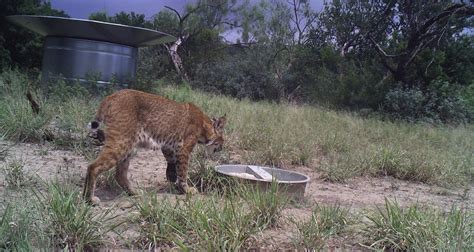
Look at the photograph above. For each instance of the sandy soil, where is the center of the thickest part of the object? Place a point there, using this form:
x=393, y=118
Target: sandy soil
x=147, y=171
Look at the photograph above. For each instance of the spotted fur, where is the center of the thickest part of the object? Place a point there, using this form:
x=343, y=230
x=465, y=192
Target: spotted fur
x=136, y=119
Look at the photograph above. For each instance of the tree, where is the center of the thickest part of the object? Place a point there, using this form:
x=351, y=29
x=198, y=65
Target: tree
x=131, y=19
x=197, y=30
x=18, y=46
x=421, y=25
x=397, y=30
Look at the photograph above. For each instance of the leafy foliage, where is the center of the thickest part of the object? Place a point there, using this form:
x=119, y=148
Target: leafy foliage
x=19, y=47
x=410, y=60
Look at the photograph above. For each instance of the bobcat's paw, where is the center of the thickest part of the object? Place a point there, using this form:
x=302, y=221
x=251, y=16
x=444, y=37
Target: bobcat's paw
x=190, y=190
x=94, y=200
x=185, y=189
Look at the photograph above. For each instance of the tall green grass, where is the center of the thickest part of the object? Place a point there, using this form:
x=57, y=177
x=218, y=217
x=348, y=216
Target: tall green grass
x=16, y=230
x=72, y=224
x=420, y=228
x=214, y=223
x=52, y=217
x=17, y=120
x=325, y=222
x=338, y=144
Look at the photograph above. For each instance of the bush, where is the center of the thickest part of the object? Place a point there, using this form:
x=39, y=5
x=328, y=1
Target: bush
x=405, y=104
x=327, y=78
x=439, y=103
x=248, y=74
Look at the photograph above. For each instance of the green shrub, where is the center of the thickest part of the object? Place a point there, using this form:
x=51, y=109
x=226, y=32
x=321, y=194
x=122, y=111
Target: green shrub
x=248, y=74
x=325, y=77
x=439, y=103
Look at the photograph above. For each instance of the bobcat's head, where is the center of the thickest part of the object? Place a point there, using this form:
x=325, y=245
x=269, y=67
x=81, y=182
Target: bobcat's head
x=216, y=139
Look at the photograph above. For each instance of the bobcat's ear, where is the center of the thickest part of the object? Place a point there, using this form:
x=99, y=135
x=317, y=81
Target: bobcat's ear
x=219, y=123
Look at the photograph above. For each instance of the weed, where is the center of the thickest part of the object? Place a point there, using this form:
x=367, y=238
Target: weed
x=43, y=152
x=4, y=152
x=416, y=228
x=161, y=222
x=15, y=230
x=212, y=223
x=325, y=222
x=220, y=225
x=15, y=175
x=72, y=223
x=266, y=205
x=204, y=177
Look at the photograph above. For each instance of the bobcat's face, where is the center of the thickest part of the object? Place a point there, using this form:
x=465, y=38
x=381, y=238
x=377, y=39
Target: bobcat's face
x=216, y=141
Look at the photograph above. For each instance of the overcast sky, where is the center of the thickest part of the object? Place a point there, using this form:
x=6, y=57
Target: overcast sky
x=82, y=8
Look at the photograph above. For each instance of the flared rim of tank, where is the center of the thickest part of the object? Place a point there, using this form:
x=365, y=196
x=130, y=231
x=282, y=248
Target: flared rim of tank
x=306, y=179
x=91, y=29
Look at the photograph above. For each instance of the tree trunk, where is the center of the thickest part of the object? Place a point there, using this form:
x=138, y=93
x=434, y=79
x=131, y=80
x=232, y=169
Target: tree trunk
x=176, y=59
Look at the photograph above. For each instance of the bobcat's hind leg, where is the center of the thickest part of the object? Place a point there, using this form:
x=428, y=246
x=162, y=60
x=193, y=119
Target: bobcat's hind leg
x=108, y=158
x=170, y=157
x=121, y=177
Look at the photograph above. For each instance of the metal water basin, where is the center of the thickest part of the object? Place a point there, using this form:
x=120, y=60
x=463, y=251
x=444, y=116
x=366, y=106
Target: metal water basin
x=291, y=182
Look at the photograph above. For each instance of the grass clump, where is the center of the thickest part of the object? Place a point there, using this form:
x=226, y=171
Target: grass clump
x=161, y=222
x=220, y=226
x=16, y=229
x=15, y=175
x=326, y=222
x=266, y=205
x=17, y=120
x=417, y=228
x=201, y=224
x=72, y=224
x=215, y=223
x=203, y=175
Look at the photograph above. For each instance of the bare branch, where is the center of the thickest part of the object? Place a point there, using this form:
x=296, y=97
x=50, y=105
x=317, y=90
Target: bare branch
x=379, y=48
x=175, y=11
x=297, y=21
x=384, y=54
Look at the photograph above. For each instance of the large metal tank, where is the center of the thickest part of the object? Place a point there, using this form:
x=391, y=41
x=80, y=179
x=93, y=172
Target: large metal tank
x=84, y=50
x=86, y=60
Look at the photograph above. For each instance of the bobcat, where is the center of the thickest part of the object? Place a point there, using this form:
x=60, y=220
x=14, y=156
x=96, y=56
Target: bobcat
x=138, y=119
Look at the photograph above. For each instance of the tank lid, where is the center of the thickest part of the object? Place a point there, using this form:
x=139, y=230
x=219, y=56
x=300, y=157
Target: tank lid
x=90, y=29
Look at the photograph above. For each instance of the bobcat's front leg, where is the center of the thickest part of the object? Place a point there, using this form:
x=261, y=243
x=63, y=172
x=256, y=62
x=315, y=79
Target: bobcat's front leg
x=184, y=154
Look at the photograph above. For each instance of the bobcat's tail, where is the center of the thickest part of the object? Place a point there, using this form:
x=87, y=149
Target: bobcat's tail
x=95, y=132
x=93, y=125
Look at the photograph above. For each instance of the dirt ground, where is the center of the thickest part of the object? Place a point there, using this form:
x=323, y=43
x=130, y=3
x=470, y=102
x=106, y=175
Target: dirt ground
x=147, y=170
